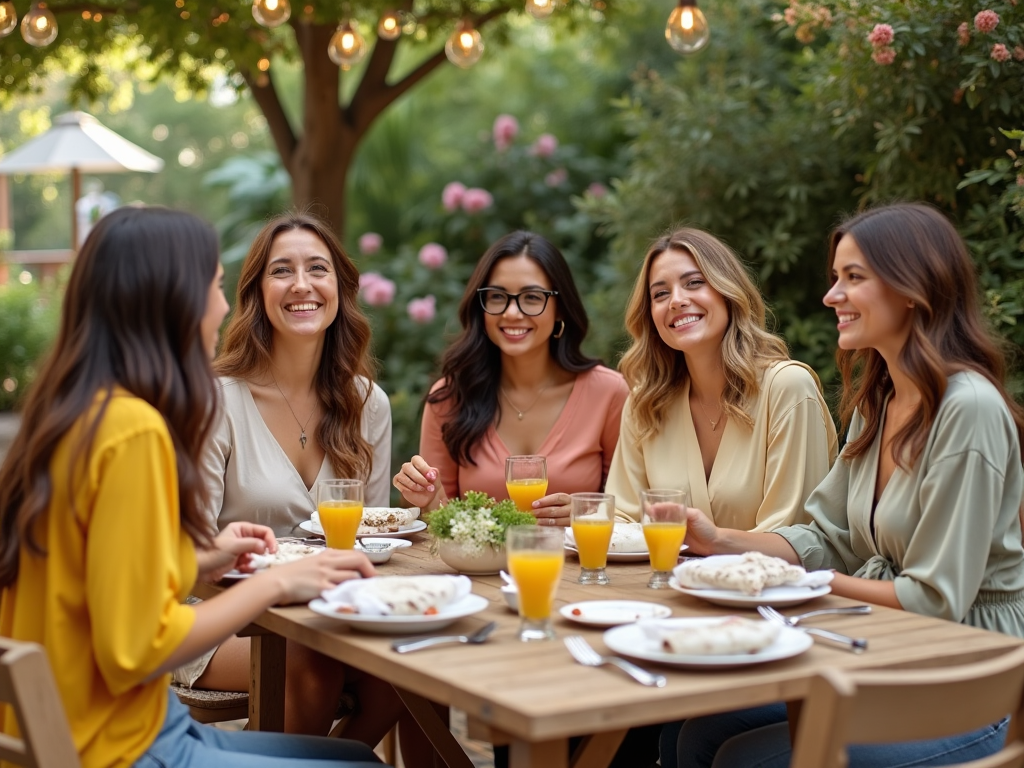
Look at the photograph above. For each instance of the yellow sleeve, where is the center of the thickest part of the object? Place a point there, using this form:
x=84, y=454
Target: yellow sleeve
x=133, y=573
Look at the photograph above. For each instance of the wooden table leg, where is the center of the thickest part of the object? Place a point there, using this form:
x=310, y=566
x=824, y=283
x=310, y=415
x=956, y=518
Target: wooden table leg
x=550, y=754
x=440, y=735
x=266, y=683
x=793, y=713
x=597, y=750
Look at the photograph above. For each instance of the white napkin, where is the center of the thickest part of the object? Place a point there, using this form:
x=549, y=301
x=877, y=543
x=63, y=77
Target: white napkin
x=626, y=537
x=357, y=593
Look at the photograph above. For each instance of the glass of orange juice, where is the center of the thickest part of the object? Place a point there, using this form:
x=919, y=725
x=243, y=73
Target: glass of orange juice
x=340, y=504
x=526, y=478
x=535, y=557
x=593, y=520
x=664, y=519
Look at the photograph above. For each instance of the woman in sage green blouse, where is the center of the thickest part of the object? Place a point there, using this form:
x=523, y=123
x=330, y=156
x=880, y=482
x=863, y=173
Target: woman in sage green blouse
x=922, y=510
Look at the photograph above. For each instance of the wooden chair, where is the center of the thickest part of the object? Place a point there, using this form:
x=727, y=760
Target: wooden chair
x=887, y=706
x=27, y=685
x=213, y=706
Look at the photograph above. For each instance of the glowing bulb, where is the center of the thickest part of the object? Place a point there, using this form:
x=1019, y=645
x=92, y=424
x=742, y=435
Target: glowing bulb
x=687, y=30
x=540, y=9
x=8, y=18
x=390, y=26
x=347, y=47
x=465, y=47
x=271, y=13
x=39, y=27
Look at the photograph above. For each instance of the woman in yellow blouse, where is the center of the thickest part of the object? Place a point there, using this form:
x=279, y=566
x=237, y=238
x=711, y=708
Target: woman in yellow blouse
x=102, y=508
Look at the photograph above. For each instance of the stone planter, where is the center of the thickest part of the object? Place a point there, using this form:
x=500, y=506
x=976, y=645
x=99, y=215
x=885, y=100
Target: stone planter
x=489, y=561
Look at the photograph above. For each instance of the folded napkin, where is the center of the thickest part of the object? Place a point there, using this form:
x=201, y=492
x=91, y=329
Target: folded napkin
x=398, y=595
x=748, y=573
x=626, y=537
x=732, y=635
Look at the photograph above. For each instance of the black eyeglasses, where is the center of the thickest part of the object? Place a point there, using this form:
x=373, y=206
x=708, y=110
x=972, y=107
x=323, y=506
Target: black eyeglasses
x=530, y=303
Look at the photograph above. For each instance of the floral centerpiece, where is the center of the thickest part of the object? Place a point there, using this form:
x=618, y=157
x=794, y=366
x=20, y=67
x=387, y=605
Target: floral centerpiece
x=469, y=533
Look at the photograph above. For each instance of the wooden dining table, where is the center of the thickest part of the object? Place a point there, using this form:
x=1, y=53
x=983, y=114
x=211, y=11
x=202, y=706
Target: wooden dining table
x=534, y=696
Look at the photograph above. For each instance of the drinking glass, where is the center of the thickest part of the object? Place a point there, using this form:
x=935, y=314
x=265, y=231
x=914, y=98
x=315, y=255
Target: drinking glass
x=664, y=520
x=593, y=520
x=535, y=557
x=526, y=478
x=340, y=504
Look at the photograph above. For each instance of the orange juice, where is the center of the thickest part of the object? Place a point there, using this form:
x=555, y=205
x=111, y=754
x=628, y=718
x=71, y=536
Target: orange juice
x=536, y=573
x=664, y=541
x=340, y=521
x=525, y=492
x=592, y=540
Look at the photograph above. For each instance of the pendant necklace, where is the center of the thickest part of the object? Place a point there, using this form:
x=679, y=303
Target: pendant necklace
x=714, y=424
x=521, y=413
x=302, y=427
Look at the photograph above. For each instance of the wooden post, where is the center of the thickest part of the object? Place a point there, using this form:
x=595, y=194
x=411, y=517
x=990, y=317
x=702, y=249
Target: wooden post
x=76, y=192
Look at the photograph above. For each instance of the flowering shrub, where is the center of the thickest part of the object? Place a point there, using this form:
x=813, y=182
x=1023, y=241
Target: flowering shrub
x=476, y=521
x=370, y=243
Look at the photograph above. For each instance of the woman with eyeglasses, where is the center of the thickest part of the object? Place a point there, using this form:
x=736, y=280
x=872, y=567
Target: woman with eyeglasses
x=516, y=382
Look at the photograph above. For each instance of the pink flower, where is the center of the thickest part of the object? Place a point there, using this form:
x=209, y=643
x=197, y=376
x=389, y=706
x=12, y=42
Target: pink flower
x=556, y=178
x=986, y=21
x=1020, y=180
x=790, y=16
x=884, y=56
x=451, y=195
x=880, y=36
x=370, y=243
x=475, y=200
x=422, y=310
x=506, y=128
x=433, y=256
x=378, y=291
x=999, y=52
x=544, y=146
x=963, y=33
x=597, y=189
x=1018, y=53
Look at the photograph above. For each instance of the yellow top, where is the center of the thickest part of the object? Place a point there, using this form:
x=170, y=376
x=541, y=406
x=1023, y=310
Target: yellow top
x=107, y=600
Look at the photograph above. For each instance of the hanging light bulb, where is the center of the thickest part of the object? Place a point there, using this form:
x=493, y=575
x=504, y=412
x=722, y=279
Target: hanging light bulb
x=271, y=13
x=390, y=26
x=347, y=47
x=687, y=30
x=540, y=9
x=465, y=47
x=38, y=26
x=8, y=18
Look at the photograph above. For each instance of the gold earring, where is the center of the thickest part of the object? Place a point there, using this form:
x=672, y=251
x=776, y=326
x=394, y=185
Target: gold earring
x=561, y=330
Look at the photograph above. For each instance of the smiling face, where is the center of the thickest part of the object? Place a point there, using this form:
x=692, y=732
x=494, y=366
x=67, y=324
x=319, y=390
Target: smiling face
x=300, y=286
x=513, y=332
x=688, y=313
x=870, y=314
x=216, y=310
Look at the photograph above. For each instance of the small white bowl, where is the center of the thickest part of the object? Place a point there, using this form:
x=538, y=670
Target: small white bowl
x=383, y=555
x=511, y=595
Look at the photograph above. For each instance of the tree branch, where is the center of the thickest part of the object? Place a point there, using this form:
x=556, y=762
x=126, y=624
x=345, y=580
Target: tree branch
x=280, y=127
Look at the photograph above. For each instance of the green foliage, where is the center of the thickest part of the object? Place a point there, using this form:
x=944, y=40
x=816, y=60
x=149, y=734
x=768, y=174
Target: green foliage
x=29, y=317
x=477, y=516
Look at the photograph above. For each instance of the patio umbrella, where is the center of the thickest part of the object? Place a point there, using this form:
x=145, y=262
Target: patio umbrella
x=79, y=143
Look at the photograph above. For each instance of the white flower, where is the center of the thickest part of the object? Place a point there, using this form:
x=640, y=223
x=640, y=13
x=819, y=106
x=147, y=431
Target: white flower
x=475, y=529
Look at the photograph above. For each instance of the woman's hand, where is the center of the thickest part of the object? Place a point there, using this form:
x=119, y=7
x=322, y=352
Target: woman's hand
x=231, y=550
x=553, y=509
x=301, y=581
x=701, y=533
x=417, y=481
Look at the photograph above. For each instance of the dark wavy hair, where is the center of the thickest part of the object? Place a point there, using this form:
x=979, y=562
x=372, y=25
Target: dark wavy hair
x=471, y=366
x=918, y=253
x=249, y=338
x=131, y=318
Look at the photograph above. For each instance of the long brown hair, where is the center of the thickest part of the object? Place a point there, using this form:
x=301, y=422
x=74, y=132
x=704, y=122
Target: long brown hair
x=655, y=372
x=249, y=339
x=918, y=253
x=131, y=318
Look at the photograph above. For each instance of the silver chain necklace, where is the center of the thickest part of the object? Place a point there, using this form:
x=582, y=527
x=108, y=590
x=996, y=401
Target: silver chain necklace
x=302, y=427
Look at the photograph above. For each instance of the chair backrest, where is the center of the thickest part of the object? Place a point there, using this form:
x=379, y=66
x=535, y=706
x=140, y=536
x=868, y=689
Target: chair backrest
x=887, y=706
x=27, y=685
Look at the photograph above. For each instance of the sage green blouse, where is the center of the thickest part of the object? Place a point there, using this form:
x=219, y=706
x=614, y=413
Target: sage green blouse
x=948, y=532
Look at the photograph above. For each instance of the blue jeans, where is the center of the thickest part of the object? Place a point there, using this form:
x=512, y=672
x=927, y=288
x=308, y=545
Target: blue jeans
x=184, y=743
x=759, y=738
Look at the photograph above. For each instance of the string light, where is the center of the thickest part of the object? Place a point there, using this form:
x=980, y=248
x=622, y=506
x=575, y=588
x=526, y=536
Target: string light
x=540, y=9
x=39, y=27
x=687, y=29
x=271, y=13
x=347, y=47
x=465, y=47
x=8, y=18
x=390, y=26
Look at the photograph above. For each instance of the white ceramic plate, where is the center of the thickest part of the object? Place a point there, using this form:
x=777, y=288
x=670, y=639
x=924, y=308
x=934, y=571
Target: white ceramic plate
x=402, y=625
x=631, y=640
x=611, y=613
x=624, y=557
x=778, y=597
x=408, y=530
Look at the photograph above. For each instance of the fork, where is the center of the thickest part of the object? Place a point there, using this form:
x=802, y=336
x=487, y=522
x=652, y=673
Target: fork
x=419, y=643
x=588, y=657
x=848, y=609
x=855, y=644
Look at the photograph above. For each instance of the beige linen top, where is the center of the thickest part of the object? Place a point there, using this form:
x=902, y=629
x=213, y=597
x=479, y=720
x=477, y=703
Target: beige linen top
x=250, y=478
x=947, y=532
x=761, y=476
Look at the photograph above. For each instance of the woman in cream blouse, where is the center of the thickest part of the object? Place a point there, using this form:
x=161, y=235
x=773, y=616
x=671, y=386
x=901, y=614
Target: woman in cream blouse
x=716, y=405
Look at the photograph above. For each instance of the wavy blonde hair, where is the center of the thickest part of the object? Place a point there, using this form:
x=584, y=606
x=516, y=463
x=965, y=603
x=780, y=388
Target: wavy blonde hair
x=655, y=372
